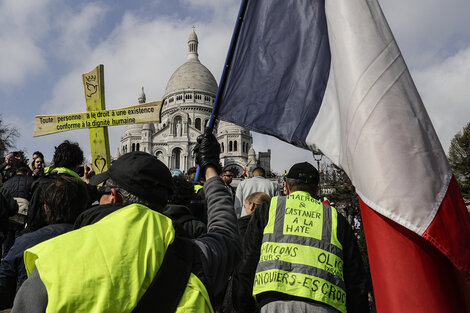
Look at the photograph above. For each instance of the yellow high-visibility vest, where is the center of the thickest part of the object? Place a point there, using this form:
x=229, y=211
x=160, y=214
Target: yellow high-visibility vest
x=107, y=266
x=61, y=170
x=197, y=188
x=300, y=253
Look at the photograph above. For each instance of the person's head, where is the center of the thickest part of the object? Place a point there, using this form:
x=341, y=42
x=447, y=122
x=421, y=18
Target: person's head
x=38, y=163
x=10, y=159
x=68, y=154
x=191, y=174
x=22, y=169
x=64, y=199
x=227, y=176
x=136, y=177
x=37, y=154
x=19, y=156
x=302, y=177
x=259, y=171
x=254, y=200
x=176, y=172
x=183, y=191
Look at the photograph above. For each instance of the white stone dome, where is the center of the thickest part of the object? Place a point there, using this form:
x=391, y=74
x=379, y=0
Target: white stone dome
x=192, y=75
x=133, y=130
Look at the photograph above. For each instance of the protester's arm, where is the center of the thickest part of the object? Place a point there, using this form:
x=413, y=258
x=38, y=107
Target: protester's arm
x=243, y=278
x=354, y=272
x=239, y=199
x=276, y=189
x=32, y=296
x=220, y=247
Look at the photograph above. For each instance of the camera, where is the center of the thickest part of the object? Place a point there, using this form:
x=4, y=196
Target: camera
x=81, y=170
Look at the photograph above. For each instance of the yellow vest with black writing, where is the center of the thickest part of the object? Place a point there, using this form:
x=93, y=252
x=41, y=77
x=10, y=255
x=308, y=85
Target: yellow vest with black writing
x=300, y=253
x=108, y=266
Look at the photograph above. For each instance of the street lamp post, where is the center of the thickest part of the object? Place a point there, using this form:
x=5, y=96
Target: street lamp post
x=318, y=157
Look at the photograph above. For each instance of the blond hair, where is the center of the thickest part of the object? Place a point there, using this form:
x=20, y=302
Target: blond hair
x=258, y=198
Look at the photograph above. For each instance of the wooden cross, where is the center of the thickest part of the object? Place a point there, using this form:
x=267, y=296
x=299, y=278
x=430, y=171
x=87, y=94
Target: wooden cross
x=97, y=118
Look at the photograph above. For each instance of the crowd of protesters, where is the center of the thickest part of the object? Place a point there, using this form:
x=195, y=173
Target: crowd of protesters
x=139, y=237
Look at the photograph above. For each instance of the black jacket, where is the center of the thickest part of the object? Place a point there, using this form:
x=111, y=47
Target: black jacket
x=8, y=207
x=12, y=270
x=19, y=186
x=354, y=273
x=182, y=217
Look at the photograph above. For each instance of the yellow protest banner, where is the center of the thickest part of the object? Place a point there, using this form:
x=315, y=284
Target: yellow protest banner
x=97, y=118
x=93, y=85
x=138, y=114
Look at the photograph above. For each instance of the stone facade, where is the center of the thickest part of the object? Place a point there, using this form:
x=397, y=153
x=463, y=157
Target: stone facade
x=186, y=110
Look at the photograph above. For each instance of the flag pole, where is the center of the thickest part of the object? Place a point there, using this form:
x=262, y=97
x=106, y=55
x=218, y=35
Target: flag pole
x=223, y=79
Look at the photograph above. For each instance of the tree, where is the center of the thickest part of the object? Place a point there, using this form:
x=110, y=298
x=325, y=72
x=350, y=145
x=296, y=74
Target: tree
x=337, y=180
x=459, y=159
x=7, y=137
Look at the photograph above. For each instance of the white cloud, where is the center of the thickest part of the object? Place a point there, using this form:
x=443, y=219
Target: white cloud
x=444, y=89
x=75, y=29
x=23, y=24
x=428, y=30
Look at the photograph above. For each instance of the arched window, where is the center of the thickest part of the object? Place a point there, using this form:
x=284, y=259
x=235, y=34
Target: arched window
x=138, y=147
x=235, y=145
x=159, y=155
x=189, y=121
x=230, y=146
x=133, y=147
x=176, y=158
x=222, y=147
x=197, y=124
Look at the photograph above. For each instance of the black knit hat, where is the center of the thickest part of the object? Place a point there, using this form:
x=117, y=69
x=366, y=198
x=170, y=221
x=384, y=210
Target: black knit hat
x=305, y=172
x=139, y=173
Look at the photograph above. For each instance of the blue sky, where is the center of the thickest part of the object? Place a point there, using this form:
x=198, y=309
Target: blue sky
x=46, y=45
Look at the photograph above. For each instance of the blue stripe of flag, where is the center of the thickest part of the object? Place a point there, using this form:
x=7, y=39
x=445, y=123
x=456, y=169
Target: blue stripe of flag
x=280, y=68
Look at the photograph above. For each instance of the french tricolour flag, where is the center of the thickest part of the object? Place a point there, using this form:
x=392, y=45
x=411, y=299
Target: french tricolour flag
x=329, y=76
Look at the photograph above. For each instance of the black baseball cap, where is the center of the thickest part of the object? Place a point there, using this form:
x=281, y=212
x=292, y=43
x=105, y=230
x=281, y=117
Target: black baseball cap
x=305, y=172
x=139, y=173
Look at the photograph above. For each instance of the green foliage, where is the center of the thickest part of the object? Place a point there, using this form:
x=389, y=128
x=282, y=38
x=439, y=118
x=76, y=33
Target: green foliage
x=7, y=137
x=459, y=159
x=343, y=190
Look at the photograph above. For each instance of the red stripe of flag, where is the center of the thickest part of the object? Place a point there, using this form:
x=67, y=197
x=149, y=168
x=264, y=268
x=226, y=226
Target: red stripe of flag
x=408, y=273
